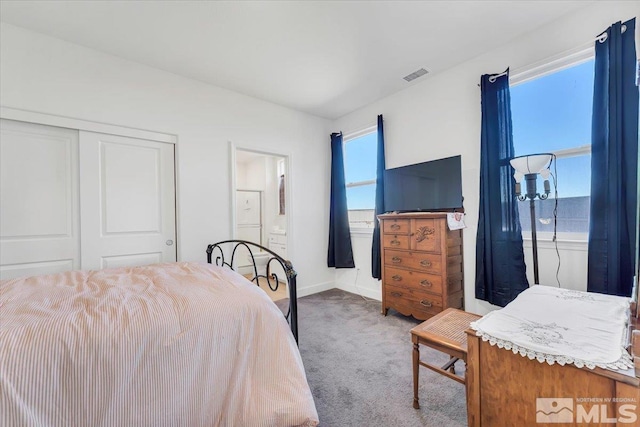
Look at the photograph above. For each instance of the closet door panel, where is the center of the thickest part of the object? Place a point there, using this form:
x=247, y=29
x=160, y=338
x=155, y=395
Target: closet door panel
x=130, y=185
x=39, y=222
x=130, y=260
x=127, y=198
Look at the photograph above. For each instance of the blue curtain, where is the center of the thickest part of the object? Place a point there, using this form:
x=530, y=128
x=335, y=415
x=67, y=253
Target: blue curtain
x=500, y=268
x=614, y=164
x=376, y=263
x=340, y=253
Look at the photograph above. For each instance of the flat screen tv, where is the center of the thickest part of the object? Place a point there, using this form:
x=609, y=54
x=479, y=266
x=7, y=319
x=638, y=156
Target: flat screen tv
x=428, y=186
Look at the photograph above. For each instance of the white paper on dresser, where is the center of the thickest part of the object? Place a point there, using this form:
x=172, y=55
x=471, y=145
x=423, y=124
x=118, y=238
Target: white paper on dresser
x=455, y=221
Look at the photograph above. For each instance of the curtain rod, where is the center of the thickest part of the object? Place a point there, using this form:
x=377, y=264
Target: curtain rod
x=601, y=39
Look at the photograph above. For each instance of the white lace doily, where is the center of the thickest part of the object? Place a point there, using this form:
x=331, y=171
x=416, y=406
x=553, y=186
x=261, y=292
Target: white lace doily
x=562, y=326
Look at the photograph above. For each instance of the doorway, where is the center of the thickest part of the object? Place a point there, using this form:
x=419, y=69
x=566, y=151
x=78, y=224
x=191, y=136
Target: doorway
x=262, y=211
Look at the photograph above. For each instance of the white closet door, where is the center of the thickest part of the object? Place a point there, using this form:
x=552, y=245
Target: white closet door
x=39, y=225
x=127, y=194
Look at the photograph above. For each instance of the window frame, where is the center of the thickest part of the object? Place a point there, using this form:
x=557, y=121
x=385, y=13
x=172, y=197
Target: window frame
x=538, y=70
x=358, y=227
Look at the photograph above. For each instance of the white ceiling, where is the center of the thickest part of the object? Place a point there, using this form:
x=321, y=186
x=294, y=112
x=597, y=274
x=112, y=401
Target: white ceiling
x=326, y=58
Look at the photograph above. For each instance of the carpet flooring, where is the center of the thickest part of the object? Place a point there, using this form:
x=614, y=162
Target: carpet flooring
x=358, y=365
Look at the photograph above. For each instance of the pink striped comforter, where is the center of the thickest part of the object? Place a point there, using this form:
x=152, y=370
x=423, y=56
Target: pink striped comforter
x=182, y=344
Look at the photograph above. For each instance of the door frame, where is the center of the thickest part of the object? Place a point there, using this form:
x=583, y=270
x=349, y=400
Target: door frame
x=288, y=181
x=36, y=117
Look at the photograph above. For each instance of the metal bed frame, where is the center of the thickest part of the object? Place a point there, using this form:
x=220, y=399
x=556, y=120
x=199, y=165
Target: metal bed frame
x=271, y=279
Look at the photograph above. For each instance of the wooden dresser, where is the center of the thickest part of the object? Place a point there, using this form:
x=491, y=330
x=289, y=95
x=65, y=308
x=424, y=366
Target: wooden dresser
x=421, y=264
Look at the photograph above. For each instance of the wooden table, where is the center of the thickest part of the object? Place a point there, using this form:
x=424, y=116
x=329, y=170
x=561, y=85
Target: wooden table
x=503, y=387
x=444, y=332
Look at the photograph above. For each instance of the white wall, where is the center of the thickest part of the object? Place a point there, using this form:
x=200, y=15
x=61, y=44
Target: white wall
x=251, y=175
x=359, y=280
x=43, y=74
x=441, y=117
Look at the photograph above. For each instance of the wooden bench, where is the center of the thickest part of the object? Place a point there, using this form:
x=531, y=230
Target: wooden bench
x=444, y=332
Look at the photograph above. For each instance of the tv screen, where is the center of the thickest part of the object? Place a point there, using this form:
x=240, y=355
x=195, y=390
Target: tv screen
x=434, y=185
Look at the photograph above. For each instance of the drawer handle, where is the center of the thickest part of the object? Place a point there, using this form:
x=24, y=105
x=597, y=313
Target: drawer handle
x=395, y=227
x=426, y=283
x=426, y=303
x=397, y=278
x=425, y=263
x=395, y=243
x=396, y=260
x=396, y=294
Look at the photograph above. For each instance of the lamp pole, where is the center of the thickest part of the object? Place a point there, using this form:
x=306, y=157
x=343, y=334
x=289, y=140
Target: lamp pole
x=531, y=194
x=534, y=241
x=529, y=167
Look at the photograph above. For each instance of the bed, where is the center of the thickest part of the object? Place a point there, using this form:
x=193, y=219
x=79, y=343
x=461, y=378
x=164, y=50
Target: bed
x=554, y=356
x=190, y=344
x=227, y=252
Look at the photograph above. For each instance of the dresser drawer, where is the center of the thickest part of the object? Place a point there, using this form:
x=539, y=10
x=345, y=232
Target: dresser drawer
x=395, y=241
x=396, y=226
x=419, y=261
x=414, y=302
x=414, y=280
x=425, y=235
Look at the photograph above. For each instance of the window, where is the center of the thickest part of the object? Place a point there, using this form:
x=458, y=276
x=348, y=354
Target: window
x=552, y=114
x=360, y=176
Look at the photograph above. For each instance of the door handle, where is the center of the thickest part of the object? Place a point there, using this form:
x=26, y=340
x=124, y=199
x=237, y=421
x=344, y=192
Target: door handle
x=395, y=227
x=395, y=243
x=425, y=263
x=169, y=242
x=426, y=303
x=396, y=260
x=426, y=283
x=397, y=278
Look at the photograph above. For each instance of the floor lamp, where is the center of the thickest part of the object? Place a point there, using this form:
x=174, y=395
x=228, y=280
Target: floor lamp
x=528, y=167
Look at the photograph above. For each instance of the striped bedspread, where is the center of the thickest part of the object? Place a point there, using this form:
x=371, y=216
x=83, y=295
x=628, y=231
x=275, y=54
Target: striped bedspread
x=182, y=344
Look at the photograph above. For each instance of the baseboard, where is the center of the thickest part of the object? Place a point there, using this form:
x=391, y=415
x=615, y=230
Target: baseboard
x=367, y=293
x=314, y=289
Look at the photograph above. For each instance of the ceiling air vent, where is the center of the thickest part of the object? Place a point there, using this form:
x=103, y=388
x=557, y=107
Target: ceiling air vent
x=418, y=73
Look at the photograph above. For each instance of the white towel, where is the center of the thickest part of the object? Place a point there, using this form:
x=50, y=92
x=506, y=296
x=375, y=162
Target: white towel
x=456, y=220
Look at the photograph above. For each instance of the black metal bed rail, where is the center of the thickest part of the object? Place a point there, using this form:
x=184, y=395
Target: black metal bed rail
x=271, y=279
